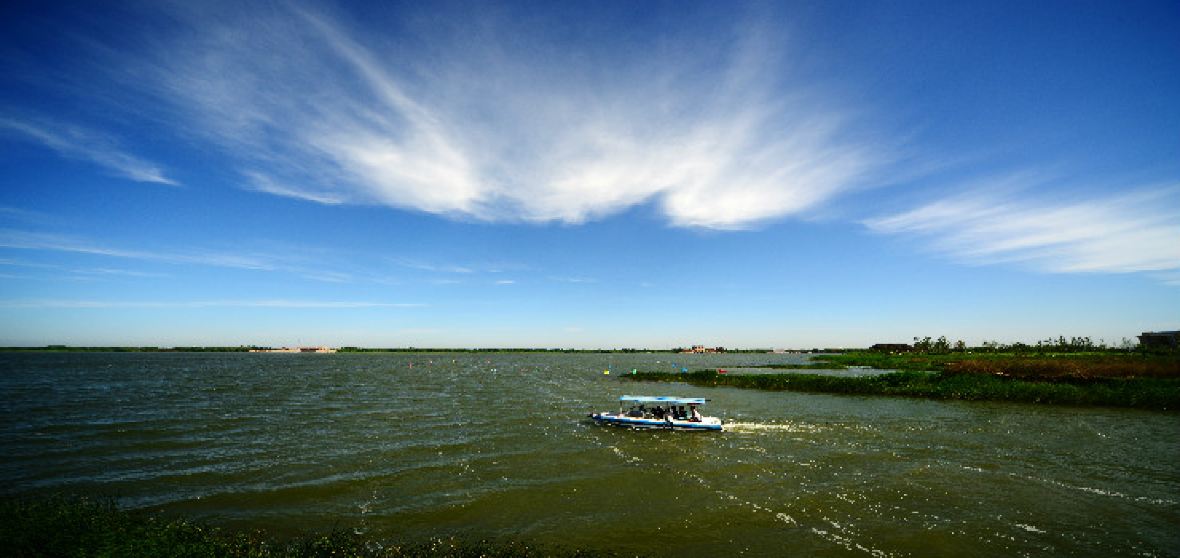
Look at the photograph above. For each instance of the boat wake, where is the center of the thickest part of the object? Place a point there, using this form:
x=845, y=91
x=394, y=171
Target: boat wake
x=1099, y=491
x=795, y=427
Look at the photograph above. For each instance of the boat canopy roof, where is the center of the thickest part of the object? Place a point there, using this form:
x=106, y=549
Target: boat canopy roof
x=664, y=399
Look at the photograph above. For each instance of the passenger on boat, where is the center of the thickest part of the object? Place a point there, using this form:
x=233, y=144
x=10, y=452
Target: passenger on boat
x=696, y=413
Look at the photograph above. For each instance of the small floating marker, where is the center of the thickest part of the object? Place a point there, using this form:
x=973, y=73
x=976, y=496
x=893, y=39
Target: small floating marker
x=606, y=372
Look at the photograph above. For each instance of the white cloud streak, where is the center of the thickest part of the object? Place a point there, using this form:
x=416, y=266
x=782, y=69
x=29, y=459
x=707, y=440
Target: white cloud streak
x=78, y=143
x=573, y=280
x=102, y=271
x=275, y=261
x=1133, y=231
x=434, y=267
x=265, y=184
x=491, y=129
x=1171, y=277
x=25, y=240
x=278, y=303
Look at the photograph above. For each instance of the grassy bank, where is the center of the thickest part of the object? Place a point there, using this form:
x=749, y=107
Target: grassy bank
x=1142, y=393
x=63, y=527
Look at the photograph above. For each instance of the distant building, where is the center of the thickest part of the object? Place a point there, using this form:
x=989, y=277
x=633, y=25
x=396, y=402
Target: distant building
x=296, y=350
x=701, y=349
x=1159, y=339
x=891, y=348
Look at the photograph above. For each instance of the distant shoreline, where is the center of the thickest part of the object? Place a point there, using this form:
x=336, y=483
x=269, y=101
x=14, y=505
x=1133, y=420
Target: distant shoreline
x=280, y=350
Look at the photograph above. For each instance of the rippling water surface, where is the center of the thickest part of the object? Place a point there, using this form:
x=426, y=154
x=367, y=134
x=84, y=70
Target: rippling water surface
x=497, y=445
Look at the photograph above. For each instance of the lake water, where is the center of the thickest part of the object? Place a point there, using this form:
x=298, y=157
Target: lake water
x=405, y=446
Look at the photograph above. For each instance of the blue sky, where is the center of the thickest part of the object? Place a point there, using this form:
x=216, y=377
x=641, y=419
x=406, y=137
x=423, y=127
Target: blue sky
x=600, y=174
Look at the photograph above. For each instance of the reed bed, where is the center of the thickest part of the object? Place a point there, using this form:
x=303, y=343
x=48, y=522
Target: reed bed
x=1036, y=367
x=1050, y=369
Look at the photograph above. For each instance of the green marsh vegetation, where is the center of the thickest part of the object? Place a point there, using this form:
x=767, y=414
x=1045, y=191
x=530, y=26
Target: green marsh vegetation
x=68, y=527
x=1069, y=372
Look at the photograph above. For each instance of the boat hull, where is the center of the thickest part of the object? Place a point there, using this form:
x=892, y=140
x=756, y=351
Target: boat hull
x=611, y=419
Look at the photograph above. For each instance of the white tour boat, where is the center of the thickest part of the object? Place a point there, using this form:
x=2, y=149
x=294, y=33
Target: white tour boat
x=668, y=413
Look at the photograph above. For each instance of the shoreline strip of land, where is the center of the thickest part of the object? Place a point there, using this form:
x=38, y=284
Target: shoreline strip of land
x=1151, y=383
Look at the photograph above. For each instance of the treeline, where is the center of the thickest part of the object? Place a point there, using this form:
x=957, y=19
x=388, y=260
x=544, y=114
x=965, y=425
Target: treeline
x=248, y=348
x=523, y=350
x=488, y=350
x=942, y=346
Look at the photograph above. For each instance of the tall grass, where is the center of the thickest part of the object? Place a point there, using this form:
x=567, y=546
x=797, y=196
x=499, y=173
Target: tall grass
x=71, y=527
x=1046, y=367
x=1052, y=369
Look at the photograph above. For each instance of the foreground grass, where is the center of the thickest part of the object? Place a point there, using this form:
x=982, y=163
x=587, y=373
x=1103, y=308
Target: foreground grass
x=79, y=527
x=1142, y=393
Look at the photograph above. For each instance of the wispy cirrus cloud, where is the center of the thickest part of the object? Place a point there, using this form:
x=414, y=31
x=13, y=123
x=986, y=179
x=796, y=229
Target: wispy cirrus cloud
x=434, y=267
x=1171, y=277
x=505, y=126
x=286, y=260
x=574, y=280
x=106, y=271
x=77, y=142
x=266, y=184
x=276, y=303
x=27, y=240
x=23, y=215
x=1135, y=230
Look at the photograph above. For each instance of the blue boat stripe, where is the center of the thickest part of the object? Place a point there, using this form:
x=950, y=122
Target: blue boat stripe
x=650, y=423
